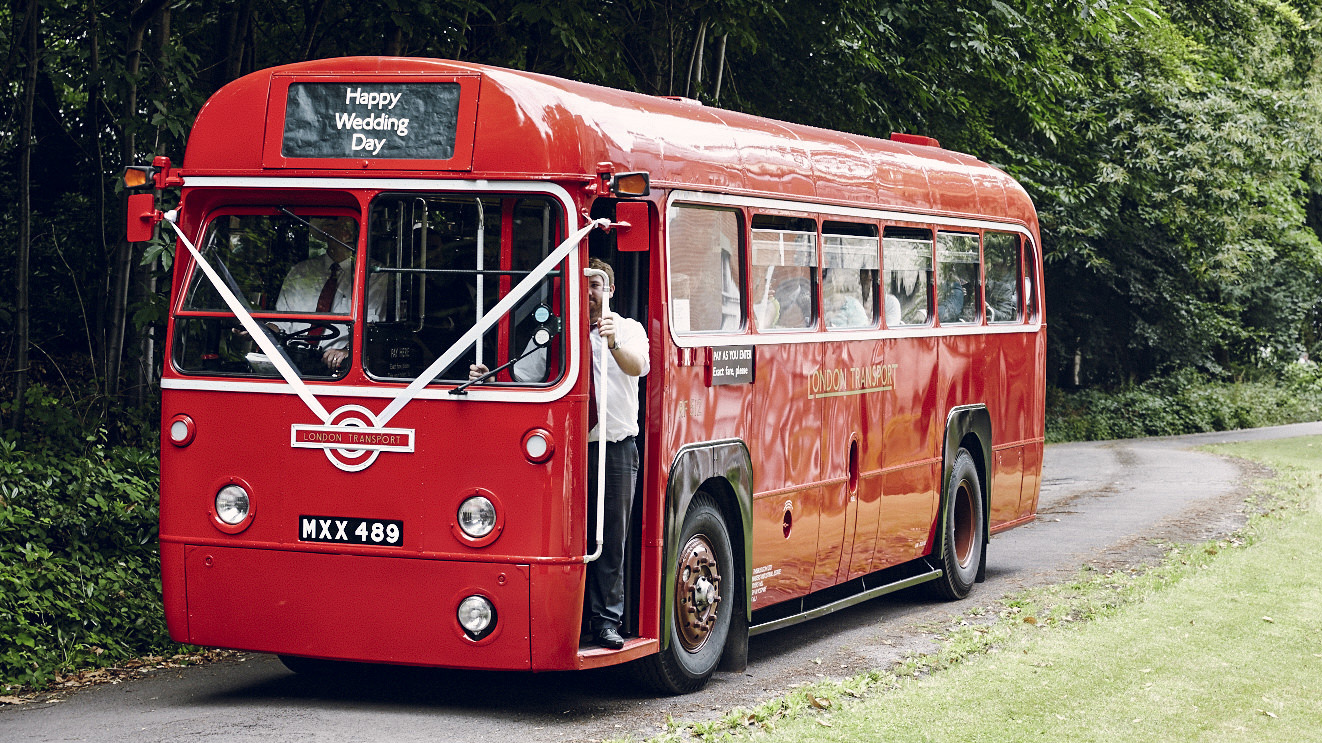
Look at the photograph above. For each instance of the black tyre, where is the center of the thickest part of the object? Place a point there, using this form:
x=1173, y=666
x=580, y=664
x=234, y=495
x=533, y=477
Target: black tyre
x=698, y=615
x=963, y=530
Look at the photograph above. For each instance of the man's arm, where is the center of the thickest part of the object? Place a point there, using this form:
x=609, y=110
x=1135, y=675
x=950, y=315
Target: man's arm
x=629, y=347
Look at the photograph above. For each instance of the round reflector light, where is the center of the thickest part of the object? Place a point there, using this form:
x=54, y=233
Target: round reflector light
x=181, y=430
x=477, y=516
x=232, y=505
x=477, y=616
x=538, y=446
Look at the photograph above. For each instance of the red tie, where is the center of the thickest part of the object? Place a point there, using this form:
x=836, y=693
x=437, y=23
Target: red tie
x=327, y=297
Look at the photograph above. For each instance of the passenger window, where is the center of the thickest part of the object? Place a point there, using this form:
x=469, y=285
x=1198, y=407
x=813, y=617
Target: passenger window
x=852, y=260
x=1003, y=276
x=957, y=278
x=784, y=272
x=907, y=271
x=706, y=270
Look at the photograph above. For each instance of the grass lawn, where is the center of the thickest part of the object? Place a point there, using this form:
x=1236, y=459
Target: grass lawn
x=1223, y=642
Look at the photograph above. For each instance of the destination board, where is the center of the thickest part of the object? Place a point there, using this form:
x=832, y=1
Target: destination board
x=395, y=121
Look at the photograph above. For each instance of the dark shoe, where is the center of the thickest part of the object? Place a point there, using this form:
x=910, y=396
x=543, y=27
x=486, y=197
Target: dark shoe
x=608, y=637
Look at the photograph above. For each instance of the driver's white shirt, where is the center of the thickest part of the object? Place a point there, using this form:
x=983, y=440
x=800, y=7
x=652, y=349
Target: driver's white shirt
x=302, y=288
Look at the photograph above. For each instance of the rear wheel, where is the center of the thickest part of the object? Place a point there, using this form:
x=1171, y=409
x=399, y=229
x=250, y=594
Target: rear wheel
x=964, y=530
x=698, y=616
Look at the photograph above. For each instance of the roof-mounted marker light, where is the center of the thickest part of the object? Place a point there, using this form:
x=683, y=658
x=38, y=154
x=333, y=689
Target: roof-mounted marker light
x=917, y=139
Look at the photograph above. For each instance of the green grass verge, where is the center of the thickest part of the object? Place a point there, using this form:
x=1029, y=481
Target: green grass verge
x=1221, y=642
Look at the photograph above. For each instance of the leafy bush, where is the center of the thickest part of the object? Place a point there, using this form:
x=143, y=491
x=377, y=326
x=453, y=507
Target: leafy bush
x=79, y=575
x=1185, y=402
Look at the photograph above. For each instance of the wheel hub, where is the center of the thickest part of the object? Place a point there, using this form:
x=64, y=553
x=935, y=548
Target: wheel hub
x=697, y=593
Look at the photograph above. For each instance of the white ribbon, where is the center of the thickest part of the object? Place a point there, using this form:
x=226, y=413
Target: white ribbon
x=256, y=332
x=406, y=395
x=502, y=308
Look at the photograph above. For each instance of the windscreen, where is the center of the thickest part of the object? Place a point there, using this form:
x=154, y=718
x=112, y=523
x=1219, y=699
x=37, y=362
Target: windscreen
x=279, y=264
x=446, y=260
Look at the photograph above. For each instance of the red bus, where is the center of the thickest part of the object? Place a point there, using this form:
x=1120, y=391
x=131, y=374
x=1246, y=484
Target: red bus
x=845, y=337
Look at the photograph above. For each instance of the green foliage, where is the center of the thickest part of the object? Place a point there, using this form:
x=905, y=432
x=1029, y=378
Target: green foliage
x=1185, y=402
x=79, y=565
x=1168, y=144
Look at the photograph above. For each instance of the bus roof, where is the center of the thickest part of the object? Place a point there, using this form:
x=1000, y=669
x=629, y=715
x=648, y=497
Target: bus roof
x=525, y=125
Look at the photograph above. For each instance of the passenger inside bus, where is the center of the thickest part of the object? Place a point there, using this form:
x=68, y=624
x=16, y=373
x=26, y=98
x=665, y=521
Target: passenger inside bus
x=848, y=299
x=909, y=290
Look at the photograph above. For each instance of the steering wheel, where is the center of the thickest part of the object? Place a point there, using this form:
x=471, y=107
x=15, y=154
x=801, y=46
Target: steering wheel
x=303, y=337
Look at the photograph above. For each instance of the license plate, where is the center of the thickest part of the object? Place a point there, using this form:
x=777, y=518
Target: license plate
x=382, y=532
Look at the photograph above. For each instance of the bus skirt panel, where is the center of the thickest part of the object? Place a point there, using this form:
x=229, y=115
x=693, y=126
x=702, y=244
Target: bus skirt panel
x=350, y=607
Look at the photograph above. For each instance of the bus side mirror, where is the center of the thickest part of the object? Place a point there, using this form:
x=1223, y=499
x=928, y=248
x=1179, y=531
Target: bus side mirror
x=142, y=217
x=637, y=237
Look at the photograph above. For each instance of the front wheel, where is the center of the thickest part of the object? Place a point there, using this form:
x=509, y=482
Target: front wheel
x=963, y=530
x=698, y=615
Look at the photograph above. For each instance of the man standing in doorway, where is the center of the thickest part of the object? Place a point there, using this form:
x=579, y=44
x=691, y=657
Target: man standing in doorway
x=620, y=344
x=624, y=342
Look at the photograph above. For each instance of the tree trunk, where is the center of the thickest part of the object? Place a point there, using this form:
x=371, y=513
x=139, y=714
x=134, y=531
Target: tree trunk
x=142, y=371
x=310, y=24
x=92, y=115
x=23, y=328
x=695, y=63
x=122, y=270
x=720, y=66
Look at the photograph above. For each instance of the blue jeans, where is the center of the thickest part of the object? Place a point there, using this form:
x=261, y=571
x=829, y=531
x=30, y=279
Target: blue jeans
x=606, y=574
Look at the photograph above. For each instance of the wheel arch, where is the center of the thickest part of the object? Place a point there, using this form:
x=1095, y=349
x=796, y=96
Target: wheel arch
x=968, y=427
x=724, y=470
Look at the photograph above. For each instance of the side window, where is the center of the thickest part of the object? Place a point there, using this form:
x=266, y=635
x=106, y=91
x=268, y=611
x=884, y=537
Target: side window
x=1003, y=276
x=784, y=272
x=706, y=270
x=1032, y=287
x=957, y=278
x=852, y=261
x=907, y=271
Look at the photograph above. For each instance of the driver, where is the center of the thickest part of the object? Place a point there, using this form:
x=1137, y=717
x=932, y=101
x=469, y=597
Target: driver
x=324, y=284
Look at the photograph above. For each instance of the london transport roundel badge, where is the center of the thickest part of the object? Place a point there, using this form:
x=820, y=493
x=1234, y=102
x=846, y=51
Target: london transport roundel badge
x=351, y=439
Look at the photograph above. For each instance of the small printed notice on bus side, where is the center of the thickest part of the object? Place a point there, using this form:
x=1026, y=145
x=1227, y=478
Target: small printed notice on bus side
x=409, y=121
x=730, y=365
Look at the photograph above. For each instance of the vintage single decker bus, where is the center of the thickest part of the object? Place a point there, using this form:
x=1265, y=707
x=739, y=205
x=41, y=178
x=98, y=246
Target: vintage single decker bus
x=845, y=341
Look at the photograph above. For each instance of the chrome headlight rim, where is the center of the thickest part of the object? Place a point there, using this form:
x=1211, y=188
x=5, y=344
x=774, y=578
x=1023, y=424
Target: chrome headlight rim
x=228, y=513
x=462, y=526
x=477, y=617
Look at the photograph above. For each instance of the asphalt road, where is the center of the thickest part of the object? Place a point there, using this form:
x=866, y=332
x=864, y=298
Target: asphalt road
x=1107, y=504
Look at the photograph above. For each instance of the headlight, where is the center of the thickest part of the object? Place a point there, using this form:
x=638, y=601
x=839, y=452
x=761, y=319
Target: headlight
x=477, y=516
x=232, y=504
x=477, y=616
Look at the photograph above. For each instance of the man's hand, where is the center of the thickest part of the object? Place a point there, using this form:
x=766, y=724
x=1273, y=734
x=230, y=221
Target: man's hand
x=333, y=357
x=606, y=327
x=475, y=371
